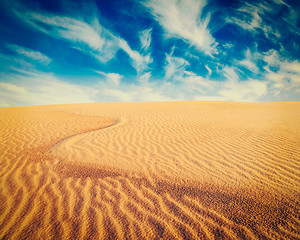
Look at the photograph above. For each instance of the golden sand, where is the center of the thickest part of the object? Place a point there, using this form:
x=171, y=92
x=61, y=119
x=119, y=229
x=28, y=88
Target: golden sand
x=169, y=170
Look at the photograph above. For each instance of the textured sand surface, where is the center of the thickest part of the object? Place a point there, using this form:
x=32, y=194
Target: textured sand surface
x=173, y=170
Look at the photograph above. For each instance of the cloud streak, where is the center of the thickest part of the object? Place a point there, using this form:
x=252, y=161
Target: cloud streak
x=29, y=53
x=182, y=19
x=37, y=88
x=140, y=62
x=145, y=39
x=90, y=38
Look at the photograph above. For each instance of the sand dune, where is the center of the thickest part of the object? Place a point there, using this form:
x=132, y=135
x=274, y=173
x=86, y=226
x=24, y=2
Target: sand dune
x=169, y=170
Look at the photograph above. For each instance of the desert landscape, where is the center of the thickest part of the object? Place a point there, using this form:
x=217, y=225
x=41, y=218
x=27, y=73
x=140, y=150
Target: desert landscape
x=164, y=170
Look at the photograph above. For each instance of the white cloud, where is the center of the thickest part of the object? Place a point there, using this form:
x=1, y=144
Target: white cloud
x=90, y=38
x=286, y=80
x=9, y=61
x=145, y=91
x=174, y=67
x=116, y=95
x=150, y=94
x=11, y=88
x=197, y=81
x=37, y=88
x=235, y=90
x=272, y=59
x=144, y=79
x=182, y=19
x=113, y=79
x=38, y=56
x=291, y=67
x=140, y=62
x=249, y=91
x=250, y=61
x=262, y=16
x=209, y=98
x=209, y=70
x=145, y=38
x=70, y=29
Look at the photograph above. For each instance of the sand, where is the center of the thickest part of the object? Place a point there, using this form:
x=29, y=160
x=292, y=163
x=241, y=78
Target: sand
x=167, y=170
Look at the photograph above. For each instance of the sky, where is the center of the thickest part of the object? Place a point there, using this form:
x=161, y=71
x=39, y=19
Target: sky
x=66, y=51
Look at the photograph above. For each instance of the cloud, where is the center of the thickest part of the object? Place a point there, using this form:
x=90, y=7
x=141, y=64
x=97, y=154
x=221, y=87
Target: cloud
x=230, y=89
x=250, y=60
x=272, y=59
x=285, y=81
x=113, y=79
x=185, y=83
x=37, y=88
x=70, y=29
x=11, y=88
x=90, y=37
x=263, y=17
x=249, y=91
x=192, y=78
x=34, y=55
x=145, y=38
x=291, y=67
x=252, y=17
x=281, y=70
x=182, y=19
x=209, y=98
x=116, y=95
x=235, y=90
x=7, y=62
x=139, y=61
x=144, y=79
x=209, y=70
x=144, y=91
x=174, y=67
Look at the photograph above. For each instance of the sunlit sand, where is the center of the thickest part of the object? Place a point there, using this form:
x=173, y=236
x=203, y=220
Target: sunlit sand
x=167, y=170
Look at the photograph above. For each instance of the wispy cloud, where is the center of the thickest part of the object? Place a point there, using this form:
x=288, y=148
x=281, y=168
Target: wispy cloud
x=140, y=92
x=113, y=79
x=250, y=60
x=235, y=90
x=116, y=95
x=183, y=19
x=139, y=61
x=195, y=87
x=251, y=17
x=262, y=17
x=34, y=55
x=285, y=81
x=174, y=66
x=38, y=88
x=89, y=37
x=209, y=70
x=145, y=38
x=144, y=78
x=186, y=83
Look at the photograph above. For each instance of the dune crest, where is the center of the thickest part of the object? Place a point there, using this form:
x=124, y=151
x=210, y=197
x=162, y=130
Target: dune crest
x=171, y=170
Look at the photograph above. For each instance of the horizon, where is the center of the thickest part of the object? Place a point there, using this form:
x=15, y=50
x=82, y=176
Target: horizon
x=63, y=52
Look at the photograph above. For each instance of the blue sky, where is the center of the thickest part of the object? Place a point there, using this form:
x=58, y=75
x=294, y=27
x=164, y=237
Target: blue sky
x=65, y=51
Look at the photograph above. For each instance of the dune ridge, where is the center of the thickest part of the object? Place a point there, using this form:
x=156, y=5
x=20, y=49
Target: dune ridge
x=171, y=170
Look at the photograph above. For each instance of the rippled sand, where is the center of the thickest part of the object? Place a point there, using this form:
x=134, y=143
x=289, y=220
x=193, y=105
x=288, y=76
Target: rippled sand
x=170, y=170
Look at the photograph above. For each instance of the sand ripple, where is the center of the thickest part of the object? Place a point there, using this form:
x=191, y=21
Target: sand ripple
x=180, y=170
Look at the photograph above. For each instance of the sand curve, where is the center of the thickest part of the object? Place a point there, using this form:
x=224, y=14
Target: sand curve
x=196, y=170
